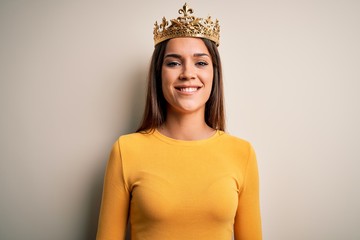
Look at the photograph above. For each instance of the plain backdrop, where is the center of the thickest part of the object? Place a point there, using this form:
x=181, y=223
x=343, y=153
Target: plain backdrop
x=73, y=78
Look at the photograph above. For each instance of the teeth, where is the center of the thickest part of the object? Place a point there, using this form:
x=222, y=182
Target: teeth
x=190, y=89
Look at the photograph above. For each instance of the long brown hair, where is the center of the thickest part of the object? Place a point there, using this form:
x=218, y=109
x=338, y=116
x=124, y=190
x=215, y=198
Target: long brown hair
x=155, y=108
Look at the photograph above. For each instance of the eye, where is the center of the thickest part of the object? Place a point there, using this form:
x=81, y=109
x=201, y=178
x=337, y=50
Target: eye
x=202, y=63
x=172, y=64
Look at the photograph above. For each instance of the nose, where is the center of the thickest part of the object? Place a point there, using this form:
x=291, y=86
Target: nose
x=188, y=72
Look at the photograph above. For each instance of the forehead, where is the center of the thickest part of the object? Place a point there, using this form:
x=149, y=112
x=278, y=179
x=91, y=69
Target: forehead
x=186, y=45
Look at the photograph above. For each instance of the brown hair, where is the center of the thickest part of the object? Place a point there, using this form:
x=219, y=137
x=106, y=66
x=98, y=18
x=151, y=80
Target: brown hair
x=155, y=108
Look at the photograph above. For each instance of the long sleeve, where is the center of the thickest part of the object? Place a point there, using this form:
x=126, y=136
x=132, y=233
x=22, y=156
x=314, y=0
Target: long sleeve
x=115, y=200
x=174, y=189
x=247, y=224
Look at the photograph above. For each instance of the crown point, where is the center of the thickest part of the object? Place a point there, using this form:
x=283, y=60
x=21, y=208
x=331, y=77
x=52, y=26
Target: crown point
x=187, y=26
x=185, y=10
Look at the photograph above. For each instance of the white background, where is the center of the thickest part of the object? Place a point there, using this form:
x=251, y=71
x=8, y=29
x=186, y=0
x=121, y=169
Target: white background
x=72, y=80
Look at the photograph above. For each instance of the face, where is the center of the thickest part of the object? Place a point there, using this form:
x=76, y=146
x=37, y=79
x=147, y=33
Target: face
x=187, y=75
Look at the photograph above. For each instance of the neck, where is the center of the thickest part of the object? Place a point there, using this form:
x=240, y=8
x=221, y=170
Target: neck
x=186, y=127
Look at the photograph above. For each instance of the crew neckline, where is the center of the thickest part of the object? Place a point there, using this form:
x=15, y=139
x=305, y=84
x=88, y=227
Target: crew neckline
x=174, y=141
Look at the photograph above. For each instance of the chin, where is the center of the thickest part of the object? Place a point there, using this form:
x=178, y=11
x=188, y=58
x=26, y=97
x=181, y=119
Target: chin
x=188, y=109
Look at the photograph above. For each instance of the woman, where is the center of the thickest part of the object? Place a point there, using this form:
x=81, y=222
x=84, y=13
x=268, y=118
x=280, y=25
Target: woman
x=181, y=176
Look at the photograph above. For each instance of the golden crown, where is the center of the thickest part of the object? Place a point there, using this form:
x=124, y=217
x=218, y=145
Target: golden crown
x=187, y=26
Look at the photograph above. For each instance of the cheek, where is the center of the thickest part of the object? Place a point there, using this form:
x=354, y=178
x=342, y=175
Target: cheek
x=165, y=83
x=166, y=77
x=163, y=79
x=209, y=82
x=209, y=78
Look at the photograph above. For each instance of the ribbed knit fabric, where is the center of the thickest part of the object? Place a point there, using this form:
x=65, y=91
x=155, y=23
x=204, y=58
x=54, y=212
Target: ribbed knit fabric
x=180, y=190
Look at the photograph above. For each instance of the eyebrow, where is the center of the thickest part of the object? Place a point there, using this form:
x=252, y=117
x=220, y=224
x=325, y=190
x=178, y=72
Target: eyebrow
x=174, y=55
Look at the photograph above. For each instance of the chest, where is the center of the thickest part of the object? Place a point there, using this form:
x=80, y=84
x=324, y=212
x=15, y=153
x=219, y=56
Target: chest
x=185, y=183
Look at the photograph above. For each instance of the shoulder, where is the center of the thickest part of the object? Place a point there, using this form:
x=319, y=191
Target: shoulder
x=134, y=140
x=236, y=145
x=234, y=140
x=133, y=137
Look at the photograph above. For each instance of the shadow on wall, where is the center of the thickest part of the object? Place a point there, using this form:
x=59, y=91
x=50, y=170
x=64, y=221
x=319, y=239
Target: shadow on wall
x=94, y=205
x=136, y=100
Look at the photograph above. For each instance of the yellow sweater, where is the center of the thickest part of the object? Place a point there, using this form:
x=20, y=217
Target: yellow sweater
x=180, y=190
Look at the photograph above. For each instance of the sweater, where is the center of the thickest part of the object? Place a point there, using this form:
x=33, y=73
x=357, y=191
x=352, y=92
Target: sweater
x=180, y=190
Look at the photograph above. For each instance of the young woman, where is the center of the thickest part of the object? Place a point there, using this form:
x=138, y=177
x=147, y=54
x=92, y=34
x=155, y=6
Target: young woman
x=181, y=176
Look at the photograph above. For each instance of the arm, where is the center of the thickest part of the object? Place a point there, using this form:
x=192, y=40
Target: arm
x=115, y=200
x=247, y=224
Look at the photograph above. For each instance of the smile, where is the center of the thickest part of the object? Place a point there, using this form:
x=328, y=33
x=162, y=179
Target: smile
x=187, y=89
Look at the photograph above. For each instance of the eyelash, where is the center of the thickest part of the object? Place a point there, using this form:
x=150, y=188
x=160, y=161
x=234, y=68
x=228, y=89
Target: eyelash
x=202, y=63
x=173, y=64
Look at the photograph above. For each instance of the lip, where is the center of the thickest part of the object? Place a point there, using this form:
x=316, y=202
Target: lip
x=188, y=90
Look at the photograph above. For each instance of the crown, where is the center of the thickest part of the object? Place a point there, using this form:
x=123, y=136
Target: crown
x=187, y=26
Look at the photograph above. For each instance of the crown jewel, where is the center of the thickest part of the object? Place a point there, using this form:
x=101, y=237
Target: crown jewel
x=187, y=26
